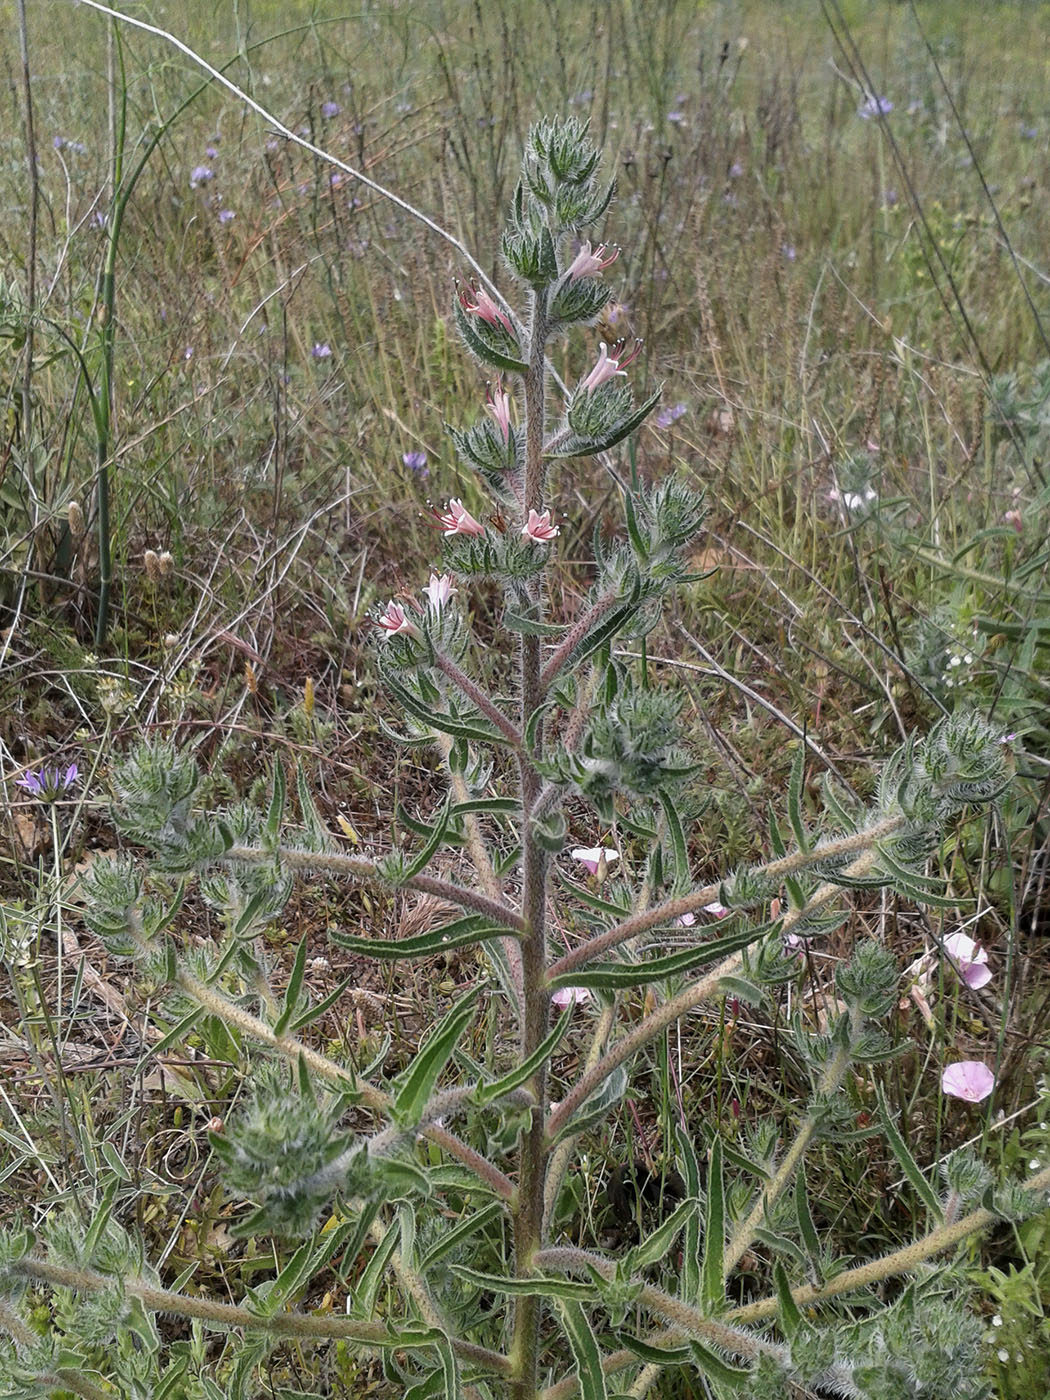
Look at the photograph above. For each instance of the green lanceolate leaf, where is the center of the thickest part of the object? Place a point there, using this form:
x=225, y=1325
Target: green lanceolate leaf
x=472, y=729
x=473, y=1225
x=291, y=995
x=654, y=1355
x=677, y=839
x=311, y=817
x=472, y=928
x=806, y=1228
x=613, y=976
x=733, y=1378
x=275, y=816
x=691, y=1175
x=584, y=1348
x=908, y=1164
x=712, y=1285
x=491, y=344
x=513, y=1079
x=364, y=1294
x=660, y=1243
x=524, y=1287
x=516, y=623
x=417, y=1085
x=798, y=825
x=595, y=1108
x=422, y=858
x=787, y=1308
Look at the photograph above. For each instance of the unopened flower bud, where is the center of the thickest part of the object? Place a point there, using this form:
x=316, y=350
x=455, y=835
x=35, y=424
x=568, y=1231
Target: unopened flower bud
x=152, y=564
x=166, y=562
x=77, y=523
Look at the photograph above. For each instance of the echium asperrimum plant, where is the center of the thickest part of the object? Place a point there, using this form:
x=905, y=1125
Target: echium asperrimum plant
x=439, y=1195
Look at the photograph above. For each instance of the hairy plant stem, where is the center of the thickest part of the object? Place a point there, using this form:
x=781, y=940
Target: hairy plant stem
x=287, y=1324
x=477, y=696
x=292, y=1049
x=693, y=995
x=357, y=868
x=673, y=909
x=900, y=1261
x=534, y=1023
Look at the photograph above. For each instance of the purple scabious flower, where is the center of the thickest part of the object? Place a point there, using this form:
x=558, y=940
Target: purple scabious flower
x=225, y=215
x=416, y=462
x=200, y=175
x=330, y=110
x=211, y=152
x=670, y=415
x=321, y=351
x=49, y=784
x=873, y=106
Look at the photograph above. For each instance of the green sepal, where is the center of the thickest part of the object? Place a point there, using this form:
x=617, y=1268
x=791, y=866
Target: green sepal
x=493, y=345
x=574, y=445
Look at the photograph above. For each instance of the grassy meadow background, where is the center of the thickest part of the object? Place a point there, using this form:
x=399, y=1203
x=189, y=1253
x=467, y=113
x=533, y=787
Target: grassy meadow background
x=850, y=317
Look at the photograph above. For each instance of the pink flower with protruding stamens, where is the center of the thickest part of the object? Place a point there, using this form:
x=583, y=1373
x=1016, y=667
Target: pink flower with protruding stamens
x=477, y=302
x=396, y=621
x=497, y=402
x=968, y=1079
x=439, y=590
x=569, y=996
x=594, y=857
x=969, y=960
x=539, y=527
x=459, y=521
x=588, y=264
x=609, y=365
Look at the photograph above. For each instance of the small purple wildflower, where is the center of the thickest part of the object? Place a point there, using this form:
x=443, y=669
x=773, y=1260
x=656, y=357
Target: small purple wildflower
x=211, y=152
x=676, y=117
x=49, y=784
x=670, y=415
x=321, y=351
x=330, y=110
x=1029, y=133
x=873, y=106
x=736, y=170
x=416, y=462
x=187, y=354
x=99, y=218
x=225, y=215
x=788, y=252
x=200, y=175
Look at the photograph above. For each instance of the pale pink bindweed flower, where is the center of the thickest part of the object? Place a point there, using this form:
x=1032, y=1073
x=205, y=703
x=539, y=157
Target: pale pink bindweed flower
x=497, y=402
x=587, y=263
x=968, y=1079
x=477, y=302
x=608, y=366
x=457, y=520
x=396, y=622
x=538, y=528
x=439, y=590
x=595, y=858
x=969, y=960
x=569, y=996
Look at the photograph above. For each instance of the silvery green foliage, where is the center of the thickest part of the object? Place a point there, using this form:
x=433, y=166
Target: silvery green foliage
x=427, y=1200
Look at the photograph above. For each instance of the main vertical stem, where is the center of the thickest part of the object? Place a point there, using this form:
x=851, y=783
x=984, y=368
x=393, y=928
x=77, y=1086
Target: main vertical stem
x=528, y=1215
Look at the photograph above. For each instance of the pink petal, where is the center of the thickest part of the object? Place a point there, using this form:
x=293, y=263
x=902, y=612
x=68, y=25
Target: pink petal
x=971, y=1080
x=569, y=996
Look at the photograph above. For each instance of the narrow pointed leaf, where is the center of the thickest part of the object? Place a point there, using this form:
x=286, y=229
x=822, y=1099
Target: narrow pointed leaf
x=278, y=796
x=691, y=1255
x=584, y=1348
x=659, y=1244
x=677, y=838
x=734, y=1378
x=291, y=995
x=472, y=928
x=364, y=1295
x=787, y=1308
x=417, y=1085
x=794, y=799
x=576, y=446
x=615, y=976
x=422, y=858
x=465, y=1230
x=522, y=1287
x=908, y=1164
x=712, y=1286
x=514, y=1078
x=806, y=1228
x=654, y=1355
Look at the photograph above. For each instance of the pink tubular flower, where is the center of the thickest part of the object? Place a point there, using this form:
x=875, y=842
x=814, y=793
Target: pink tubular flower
x=595, y=857
x=609, y=365
x=440, y=590
x=569, y=996
x=497, y=402
x=477, y=302
x=395, y=620
x=588, y=264
x=969, y=960
x=968, y=1079
x=458, y=521
x=539, y=527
